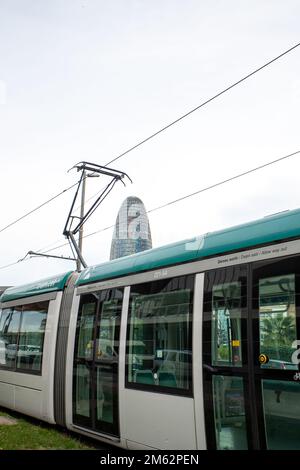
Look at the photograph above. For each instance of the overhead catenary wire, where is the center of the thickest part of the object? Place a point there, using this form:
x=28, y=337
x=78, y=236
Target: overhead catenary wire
x=202, y=190
x=15, y=262
x=180, y=118
x=11, y=264
x=215, y=185
x=37, y=208
x=207, y=188
x=209, y=100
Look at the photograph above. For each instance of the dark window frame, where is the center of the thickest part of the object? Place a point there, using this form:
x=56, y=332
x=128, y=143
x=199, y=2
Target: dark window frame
x=189, y=283
x=251, y=372
x=212, y=278
x=98, y=297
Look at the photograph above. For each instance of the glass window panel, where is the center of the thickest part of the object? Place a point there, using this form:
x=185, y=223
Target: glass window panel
x=83, y=387
x=229, y=413
x=159, y=334
x=86, y=325
x=281, y=401
x=226, y=341
x=31, y=337
x=277, y=320
x=106, y=353
x=10, y=337
x=107, y=341
x=4, y=321
x=105, y=394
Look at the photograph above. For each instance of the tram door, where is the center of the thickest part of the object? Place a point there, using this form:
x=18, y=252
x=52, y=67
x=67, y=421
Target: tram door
x=250, y=357
x=96, y=359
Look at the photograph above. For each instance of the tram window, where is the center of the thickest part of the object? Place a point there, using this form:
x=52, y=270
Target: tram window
x=226, y=324
x=9, y=335
x=5, y=317
x=108, y=326
x=229, y=412
x=22, y=332
x=31, y=336
x=277, y=320
x=85, y=327
x=5, y=314
x=159, y=336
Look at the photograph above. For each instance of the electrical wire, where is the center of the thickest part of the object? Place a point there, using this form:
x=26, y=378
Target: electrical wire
x=161, y=130
x=37, y=208
x=200, y=106
x=205, y=103
x=10, y=264
x=207, y=188
x=16, y=262
x=224, y=181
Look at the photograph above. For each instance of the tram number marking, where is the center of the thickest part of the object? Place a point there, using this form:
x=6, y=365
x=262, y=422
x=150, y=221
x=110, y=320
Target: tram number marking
x=161, y=273
x=296, y=354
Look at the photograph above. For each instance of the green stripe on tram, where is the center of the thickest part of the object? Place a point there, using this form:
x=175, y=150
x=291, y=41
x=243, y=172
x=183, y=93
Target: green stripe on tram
x=50, y=284
x=282, y=226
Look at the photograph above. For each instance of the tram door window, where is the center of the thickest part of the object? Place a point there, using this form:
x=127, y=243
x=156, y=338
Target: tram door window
x=276, y=302
x=251, y=339
x=159, y=336
x=95, y=375
x=226, y=324
x=84, y=353
x=277, y=320
x=106, y=359
x=224, y=356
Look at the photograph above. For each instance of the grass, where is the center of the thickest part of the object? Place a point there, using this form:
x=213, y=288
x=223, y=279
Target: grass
x=35, y=435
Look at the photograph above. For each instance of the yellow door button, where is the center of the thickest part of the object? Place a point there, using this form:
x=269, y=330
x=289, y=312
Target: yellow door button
x=263, y=359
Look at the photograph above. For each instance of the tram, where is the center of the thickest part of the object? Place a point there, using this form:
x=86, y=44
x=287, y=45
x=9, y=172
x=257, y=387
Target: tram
x=194, y=345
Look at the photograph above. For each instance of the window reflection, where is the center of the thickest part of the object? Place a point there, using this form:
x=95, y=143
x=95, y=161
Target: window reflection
x=107, y=344
x=85, y=326
x=282, y=414
x=22, y=332
x=226, y=324
x=159, y=350
x=229, y=413
x=277, y=320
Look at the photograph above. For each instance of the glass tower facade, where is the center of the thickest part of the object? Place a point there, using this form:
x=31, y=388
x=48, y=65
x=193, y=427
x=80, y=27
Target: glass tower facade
x=132, y=230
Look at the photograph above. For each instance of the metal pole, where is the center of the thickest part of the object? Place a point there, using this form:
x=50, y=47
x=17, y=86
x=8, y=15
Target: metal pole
x=72, y=238
x=80, y=236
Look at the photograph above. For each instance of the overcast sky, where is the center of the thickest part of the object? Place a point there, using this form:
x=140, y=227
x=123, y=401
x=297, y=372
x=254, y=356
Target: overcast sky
x=87, y=79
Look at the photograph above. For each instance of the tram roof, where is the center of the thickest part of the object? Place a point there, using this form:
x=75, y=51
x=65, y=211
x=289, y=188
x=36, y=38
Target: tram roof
x=270, y=229
x=50, y=284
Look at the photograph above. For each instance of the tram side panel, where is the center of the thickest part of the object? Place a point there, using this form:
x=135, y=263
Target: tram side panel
x=156, y=393
x=151, y=404
x=28, y=330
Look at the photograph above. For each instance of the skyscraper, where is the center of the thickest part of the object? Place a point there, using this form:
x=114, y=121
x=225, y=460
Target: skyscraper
x=132, y=230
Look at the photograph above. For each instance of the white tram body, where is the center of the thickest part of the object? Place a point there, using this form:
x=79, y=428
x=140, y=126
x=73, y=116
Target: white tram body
x=188, y=346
